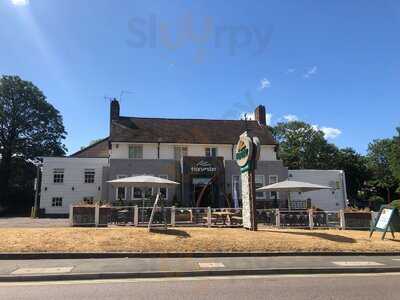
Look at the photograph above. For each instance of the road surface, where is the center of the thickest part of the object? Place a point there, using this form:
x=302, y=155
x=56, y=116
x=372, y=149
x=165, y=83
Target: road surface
x=296, y=287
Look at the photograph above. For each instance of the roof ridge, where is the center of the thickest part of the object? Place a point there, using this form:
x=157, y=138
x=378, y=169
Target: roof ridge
x=187, y=119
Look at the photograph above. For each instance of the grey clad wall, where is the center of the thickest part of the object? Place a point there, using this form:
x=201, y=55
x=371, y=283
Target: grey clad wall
x=265, y=168
x=172, y=169
x=130, y=167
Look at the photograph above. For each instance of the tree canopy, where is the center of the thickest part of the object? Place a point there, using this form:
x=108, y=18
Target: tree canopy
x=29, y=127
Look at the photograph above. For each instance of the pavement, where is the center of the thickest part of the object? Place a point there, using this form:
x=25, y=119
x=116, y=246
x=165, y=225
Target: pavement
x=287, y=287
x=113, y=268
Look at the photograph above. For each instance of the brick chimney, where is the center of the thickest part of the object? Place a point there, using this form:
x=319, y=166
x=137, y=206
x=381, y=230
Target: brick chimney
x=114, y=110
x=259, y=115
x=114, y=113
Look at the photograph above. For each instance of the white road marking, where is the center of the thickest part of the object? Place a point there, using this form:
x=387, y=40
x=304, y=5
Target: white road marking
x=211, y=265
x=172, y=279
x=397, y=259
x=56, y=270
x=357, y=263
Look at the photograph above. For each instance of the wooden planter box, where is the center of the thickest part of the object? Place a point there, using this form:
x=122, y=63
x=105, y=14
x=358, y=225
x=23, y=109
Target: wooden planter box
x=357, y=220
x=85, y=216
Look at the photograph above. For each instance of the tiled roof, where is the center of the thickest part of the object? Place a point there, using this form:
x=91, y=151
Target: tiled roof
x=186, y=131
x=98, y=149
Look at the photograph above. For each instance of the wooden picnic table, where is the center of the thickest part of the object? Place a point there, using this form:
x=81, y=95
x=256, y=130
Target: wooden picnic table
x=222, y=215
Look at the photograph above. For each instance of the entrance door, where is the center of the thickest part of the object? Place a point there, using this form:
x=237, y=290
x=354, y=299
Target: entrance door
x=202, y=189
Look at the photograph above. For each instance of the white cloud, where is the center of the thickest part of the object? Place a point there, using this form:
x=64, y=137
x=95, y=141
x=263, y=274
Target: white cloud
x=251, y=116
x=329, y=132
x=20, y=2
x=290, y=70
x=265, y=83
x=310, y=72
x=290, y=118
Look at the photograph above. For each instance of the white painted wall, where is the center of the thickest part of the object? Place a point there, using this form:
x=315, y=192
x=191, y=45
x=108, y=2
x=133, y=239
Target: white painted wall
x=328, y=200
x=122, y=150
x=73, y=177
x=167, y=151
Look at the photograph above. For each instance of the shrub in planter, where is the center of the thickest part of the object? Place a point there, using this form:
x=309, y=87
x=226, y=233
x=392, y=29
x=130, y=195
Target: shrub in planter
x=375, y=202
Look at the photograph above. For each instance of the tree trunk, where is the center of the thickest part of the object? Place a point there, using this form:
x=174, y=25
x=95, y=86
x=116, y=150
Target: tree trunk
x=5, y=175
x=389, y=196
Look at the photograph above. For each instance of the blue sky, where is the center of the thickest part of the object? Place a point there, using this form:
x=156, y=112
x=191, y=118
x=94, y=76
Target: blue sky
x=334, y=64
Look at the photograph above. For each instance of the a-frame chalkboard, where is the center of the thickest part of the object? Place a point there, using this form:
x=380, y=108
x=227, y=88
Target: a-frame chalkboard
x=388, y=218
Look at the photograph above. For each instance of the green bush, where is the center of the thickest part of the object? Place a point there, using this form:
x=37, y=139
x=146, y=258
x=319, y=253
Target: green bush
x=376, y=202
x=395, y=204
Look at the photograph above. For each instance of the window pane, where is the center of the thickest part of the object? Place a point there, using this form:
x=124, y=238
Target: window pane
x=135, y=152
x=121, y=191
x=273, y=179
x=89, y=175
x=148, y=192
x=137, y=193
x=259, y=183
x=56, y=201
x=58, y=175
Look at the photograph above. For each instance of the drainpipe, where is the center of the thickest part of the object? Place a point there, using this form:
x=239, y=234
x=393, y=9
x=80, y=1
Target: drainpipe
x=233, y=147
x=158, y=150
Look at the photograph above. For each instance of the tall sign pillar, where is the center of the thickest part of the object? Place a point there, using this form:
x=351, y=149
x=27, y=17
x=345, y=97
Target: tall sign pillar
x=247, y=155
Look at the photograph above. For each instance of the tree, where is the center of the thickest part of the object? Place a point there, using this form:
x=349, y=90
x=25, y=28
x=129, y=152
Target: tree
x=356, y=171
x=29, y=127
x=301, y=146
x=378, y=159
x=394, y=157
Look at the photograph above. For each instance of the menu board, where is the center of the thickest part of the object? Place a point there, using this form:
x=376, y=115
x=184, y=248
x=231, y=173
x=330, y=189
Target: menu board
x=384, y=218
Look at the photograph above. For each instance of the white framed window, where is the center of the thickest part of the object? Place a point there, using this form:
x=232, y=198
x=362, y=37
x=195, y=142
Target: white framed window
x=56, y=202
x=89, y=175
x=88, y=200
x=180, y=151
x=273, y=179
x=211, y=151
x=163, y=190
x=120, y=192
x=260, y=182
x=141, y=192
x=58, y=176
x=135, y=151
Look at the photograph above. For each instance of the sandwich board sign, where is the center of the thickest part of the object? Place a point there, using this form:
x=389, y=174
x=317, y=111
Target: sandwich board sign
x=388, y=218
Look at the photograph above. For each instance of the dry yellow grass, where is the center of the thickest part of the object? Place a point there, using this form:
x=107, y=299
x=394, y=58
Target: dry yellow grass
x=132, y=239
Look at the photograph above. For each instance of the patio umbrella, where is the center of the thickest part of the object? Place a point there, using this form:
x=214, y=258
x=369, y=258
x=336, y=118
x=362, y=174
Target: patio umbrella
x=146, y=181
x=292, y=186
x=142, y=181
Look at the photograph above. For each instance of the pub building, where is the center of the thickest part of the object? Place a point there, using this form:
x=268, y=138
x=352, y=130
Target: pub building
x=198, y=153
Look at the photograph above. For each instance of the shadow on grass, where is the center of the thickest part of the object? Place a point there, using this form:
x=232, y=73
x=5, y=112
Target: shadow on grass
x=325, y=236
x=176, y=232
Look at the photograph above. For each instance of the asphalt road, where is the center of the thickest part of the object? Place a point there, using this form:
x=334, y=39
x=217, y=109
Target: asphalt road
x=349, y=287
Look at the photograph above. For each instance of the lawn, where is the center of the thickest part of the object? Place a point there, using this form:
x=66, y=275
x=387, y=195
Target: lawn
x=131, y=239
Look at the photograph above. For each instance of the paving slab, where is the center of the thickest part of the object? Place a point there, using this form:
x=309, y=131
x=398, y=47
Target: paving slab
x=137, y=267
